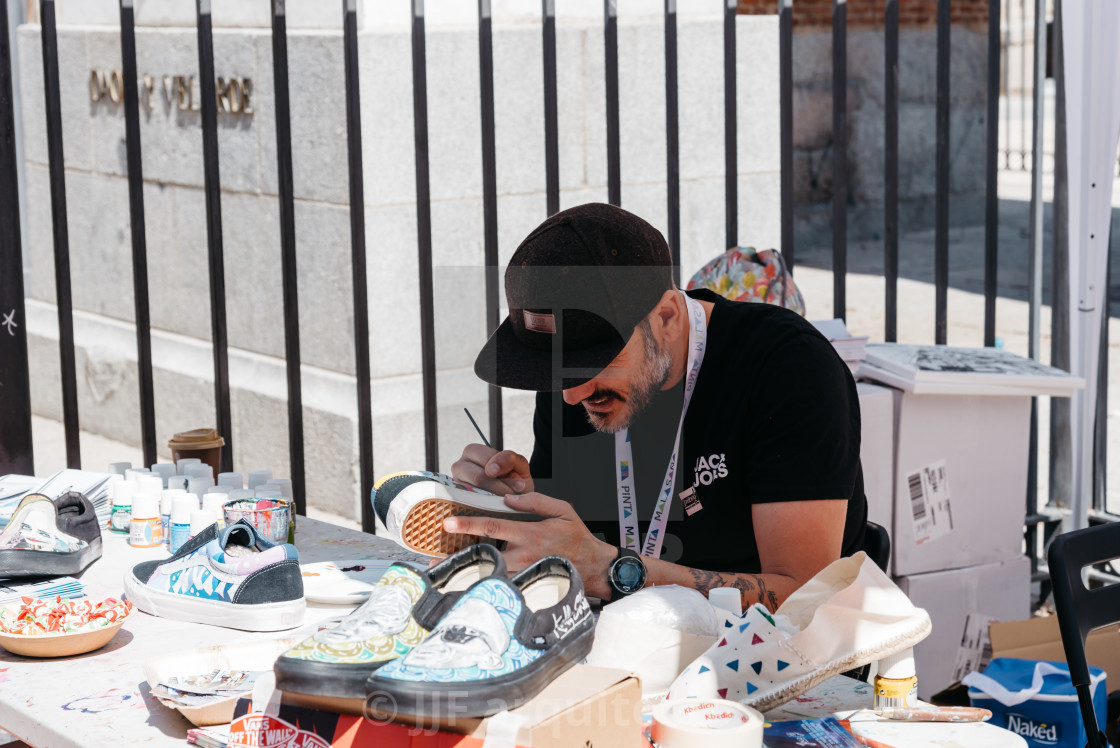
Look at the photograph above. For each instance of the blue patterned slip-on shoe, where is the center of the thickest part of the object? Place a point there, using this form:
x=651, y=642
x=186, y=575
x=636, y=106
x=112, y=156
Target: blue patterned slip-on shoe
x=413, y=505
x=236, y=578
x=500, y=644
x=50, y=538
x=402, y=608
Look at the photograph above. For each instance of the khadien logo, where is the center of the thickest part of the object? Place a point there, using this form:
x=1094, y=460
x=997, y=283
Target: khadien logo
x=1040, y=732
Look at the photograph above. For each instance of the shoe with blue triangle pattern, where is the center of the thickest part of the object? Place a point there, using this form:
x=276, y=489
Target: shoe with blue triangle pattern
x=235, y=577
x=848, y=615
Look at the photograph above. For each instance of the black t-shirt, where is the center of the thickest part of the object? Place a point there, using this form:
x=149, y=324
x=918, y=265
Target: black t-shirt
x=774, y=417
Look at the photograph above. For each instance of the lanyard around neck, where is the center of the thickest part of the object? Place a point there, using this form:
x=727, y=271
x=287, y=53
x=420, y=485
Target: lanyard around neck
x=624, y=455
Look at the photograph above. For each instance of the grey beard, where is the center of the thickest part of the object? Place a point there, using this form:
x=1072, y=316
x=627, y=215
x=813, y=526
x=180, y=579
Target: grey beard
x=654, y=372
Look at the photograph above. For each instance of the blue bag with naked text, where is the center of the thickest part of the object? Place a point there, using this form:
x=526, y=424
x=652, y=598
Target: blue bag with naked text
x=1036, y=700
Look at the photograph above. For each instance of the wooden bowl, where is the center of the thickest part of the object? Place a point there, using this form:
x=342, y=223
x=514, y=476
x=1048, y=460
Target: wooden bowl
x=61, y=644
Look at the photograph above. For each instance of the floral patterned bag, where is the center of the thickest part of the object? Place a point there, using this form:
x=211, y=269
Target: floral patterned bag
x=748, y=274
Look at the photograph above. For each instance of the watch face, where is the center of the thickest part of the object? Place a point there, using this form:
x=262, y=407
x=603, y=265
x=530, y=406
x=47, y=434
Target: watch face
x=629, y=574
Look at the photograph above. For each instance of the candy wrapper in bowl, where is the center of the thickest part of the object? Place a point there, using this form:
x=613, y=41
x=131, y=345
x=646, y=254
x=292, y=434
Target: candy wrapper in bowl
x=271, y=517
x=62, y=627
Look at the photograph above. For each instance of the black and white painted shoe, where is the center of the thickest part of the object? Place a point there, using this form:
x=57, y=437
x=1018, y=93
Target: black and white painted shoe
x=50, y=538
x=498, y=647
x=413, y=505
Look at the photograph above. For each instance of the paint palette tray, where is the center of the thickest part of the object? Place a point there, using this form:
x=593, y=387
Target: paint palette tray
x=192, y=665
x=344, y=582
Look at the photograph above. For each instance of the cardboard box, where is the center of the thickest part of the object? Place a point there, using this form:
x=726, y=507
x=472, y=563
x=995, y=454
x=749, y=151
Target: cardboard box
x=876, y=451
x=960, y=480
x=583, y=706
x=1041, y=639
x=961, y=603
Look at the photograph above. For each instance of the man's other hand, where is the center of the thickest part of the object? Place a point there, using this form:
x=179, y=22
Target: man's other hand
x=561, y=533
x=504, y=472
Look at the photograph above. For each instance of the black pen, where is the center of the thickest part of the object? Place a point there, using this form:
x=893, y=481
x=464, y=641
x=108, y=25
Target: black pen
x=476, y=428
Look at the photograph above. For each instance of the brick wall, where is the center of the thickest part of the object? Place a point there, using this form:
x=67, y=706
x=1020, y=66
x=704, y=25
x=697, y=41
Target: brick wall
x=813, y=14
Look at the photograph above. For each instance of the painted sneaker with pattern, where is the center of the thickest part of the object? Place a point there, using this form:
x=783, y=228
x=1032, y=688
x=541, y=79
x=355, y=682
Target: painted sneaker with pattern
x=236, y=578
x=402, y=608
x=412, y=506
x=50, y=538
x=500, y=644
x=848, y=615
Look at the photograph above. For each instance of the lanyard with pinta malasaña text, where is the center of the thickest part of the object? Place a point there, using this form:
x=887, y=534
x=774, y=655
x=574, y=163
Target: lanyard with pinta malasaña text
x=624, y=456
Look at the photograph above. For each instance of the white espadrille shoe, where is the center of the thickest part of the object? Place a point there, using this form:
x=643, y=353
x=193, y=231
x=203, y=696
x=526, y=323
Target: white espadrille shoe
x=848, y=615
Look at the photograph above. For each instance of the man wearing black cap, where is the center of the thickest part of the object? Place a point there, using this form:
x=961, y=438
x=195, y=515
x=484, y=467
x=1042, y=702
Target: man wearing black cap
x=680, y=438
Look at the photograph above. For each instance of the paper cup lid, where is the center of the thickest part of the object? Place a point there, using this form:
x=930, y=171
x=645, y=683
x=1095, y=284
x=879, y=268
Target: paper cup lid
x=196, y=439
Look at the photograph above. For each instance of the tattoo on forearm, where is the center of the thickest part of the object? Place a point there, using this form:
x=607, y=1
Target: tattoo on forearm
x=752, y=588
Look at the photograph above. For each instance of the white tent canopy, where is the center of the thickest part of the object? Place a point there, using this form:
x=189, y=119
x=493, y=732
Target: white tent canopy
x=1091, y=45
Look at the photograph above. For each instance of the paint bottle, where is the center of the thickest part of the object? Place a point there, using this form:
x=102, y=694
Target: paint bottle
x=165, y=502
x=200, y=520
x=181, y=508
x=896, y=684
x=121, y=513
x=214, y=501
x=145, y=529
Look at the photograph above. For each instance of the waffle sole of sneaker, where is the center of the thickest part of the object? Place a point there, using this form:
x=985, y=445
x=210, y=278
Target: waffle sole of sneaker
x=27, y=563
x=422, y=529
x=790, y=691
x=427, y=700
x=341, y=680
x=247, y=617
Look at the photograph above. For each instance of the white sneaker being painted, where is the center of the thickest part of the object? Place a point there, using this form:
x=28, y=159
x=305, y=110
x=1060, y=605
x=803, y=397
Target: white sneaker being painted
x=412, y=506
x=848, y=615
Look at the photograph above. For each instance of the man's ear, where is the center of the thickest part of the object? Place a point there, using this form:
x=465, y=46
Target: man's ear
x=669, y=316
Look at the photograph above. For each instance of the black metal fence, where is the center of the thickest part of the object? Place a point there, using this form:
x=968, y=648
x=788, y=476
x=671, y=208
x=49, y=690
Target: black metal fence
x=15, y=417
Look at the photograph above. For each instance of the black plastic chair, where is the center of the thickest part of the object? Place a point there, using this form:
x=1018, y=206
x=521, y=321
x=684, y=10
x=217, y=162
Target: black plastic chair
x=877, y=545
x=1081, y=610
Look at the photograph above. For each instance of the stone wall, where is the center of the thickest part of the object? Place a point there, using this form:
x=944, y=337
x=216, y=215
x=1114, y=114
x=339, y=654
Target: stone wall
x=100, y=242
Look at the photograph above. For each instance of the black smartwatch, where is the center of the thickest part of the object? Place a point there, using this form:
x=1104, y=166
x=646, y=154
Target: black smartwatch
x=627, y=574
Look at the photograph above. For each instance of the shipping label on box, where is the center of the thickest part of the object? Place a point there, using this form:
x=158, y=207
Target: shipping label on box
x=929, y=502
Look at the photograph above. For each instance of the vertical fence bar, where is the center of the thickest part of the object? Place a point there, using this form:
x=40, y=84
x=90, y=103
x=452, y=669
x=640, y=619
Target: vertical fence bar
x=424, y=235
x=285, y=179
x=1007, y=91
x=610, y=45
x=489, y=199
x=1100, y=427
x=839, y=157
x=1061, y=457
x=16, y=454
x=212, y=181
x=53, y=106
x=1034, y=269
x=1022, y=85
x=139, y=239
x=991, y=206
x=890, y=176
x=941, y=240
x=358, y=257
x=551, y=129
x=672, y=139
x=731, y=130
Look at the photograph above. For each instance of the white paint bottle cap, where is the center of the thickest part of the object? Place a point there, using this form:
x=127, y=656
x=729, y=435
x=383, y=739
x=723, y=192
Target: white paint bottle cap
x=184, y=461
x=231, y=480
x=201, y=519
x=167, y=500
x=123, y=492
x=214, y=501
x=149, y=484
x=133, y=473
x=164, y=470
x=145, y=506
x=177, y=481
x=181, y=508
x=119, y=468
x=726, y=598
x=257, y=477
x=201, y=470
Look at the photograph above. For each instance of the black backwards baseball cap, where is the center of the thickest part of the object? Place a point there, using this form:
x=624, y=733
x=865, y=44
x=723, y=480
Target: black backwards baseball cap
x=575, y=288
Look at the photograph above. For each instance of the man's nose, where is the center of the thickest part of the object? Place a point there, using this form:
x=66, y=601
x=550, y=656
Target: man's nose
x=575, y=395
